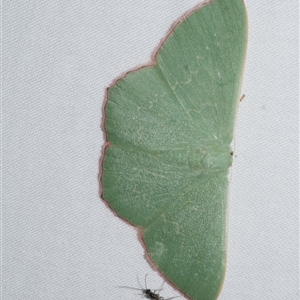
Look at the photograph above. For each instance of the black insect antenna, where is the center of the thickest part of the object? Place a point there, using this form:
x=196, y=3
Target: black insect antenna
x=147, y=293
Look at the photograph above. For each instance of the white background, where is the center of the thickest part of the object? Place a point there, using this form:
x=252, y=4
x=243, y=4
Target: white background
x=60, y=240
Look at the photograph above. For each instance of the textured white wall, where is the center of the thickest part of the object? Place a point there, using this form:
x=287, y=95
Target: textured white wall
x=60, y=240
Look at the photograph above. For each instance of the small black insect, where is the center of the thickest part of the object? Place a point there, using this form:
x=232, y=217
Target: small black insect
x=152, y=295
x=149, y=294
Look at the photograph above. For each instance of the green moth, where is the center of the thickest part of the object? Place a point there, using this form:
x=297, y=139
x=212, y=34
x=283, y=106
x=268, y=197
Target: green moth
x=169, y=127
